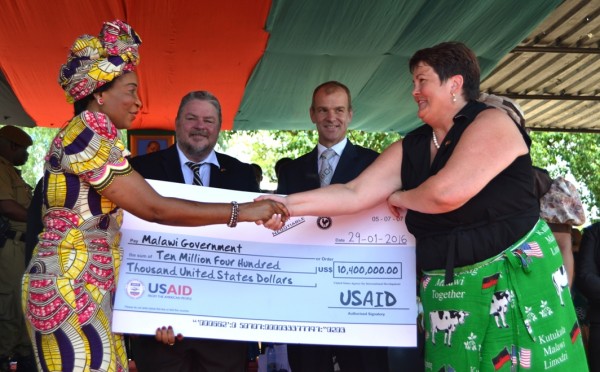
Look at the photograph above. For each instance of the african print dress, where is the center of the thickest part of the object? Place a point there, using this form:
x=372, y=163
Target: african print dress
x=69, y=284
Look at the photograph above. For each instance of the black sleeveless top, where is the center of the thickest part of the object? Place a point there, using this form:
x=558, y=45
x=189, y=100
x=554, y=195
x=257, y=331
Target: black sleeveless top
x=501, y=213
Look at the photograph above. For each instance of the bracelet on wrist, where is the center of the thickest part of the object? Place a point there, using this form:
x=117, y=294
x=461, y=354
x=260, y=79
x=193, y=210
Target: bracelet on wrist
x=235, y=212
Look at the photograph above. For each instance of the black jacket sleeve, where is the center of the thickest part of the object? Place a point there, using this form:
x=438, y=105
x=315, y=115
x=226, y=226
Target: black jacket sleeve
x=588, y=267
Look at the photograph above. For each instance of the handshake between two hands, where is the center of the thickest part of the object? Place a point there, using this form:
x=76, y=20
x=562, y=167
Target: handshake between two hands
x=277, y=214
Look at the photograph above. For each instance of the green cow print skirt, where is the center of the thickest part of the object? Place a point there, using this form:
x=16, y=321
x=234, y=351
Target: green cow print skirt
x=512, y=312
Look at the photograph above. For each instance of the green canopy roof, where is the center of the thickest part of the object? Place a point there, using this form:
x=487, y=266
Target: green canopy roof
x=366, y=45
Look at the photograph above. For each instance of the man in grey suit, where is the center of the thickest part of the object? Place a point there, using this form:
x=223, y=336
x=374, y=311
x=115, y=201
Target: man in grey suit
x=334, y=160
x=193, y=160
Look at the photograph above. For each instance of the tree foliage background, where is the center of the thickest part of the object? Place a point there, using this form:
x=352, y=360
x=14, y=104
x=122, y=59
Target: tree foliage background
x=574, y=155
x=266, y=147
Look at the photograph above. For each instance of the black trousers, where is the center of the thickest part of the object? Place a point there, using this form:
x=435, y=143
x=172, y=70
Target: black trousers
x=189, y=355
x=594, y=347
x=319, y=358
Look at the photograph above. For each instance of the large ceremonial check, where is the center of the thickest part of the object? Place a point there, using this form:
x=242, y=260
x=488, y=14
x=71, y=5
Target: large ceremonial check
x=347, y=280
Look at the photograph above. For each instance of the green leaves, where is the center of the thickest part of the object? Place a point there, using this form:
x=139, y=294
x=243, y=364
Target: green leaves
x=266, y=147
x=561, y=153
x=572, y=153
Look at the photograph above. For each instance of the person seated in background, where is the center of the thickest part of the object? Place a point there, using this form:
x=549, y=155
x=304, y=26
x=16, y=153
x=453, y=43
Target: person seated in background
x=561, y=208
x=279, y=163
x=258, y=173
x=15, y=197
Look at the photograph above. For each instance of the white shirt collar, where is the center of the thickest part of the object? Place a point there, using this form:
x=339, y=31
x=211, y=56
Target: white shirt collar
x=338, y=147
x=211, y=159
x=204, y=171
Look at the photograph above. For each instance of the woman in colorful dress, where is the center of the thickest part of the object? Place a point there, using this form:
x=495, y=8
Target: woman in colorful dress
x=69, y=284
x=494, y=288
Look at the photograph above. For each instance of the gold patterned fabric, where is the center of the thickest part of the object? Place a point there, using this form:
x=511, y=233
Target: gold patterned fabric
x=68, y=286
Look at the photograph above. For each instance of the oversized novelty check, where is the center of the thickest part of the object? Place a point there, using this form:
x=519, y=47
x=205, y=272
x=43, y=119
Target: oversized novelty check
x=346, y=280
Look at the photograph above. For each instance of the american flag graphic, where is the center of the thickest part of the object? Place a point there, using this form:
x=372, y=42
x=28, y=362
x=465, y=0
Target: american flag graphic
x=426, y=280
x=532, y=249
x=525, y=358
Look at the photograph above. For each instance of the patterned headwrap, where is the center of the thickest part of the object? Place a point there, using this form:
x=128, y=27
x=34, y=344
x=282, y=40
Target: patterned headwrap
x=93, y=62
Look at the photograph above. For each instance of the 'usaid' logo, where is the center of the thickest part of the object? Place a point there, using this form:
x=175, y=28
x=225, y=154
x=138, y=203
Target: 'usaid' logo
x=135, y=288
x=170, y=289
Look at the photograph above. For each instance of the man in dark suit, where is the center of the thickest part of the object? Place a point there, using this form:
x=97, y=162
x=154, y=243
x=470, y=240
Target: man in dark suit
x=331, y=112
x=192, y=160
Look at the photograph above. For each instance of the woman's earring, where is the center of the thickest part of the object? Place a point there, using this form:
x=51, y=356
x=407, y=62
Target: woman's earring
x=453, y=97
x=100, y=101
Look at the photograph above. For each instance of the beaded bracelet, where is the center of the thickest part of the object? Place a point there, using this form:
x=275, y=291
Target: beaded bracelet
x=235, y=211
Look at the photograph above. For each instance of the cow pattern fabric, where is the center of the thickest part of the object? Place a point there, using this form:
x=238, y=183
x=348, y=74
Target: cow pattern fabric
x=512, y=312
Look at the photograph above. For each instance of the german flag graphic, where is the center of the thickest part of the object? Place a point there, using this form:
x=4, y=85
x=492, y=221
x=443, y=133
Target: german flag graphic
x=501, y=359
x=490, y=281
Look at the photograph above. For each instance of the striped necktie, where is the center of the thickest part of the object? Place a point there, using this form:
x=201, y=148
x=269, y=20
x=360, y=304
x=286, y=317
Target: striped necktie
x=195, y=167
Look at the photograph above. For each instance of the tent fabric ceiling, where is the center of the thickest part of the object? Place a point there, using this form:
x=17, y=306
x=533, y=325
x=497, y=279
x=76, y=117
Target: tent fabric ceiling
x=187, y=45
x=261, y=58
x=367, y=46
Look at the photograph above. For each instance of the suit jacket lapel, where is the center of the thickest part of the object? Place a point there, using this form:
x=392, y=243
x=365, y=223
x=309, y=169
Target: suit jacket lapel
x=346, y=163
x=216, y=176
x=311, y=169
x=170, y=164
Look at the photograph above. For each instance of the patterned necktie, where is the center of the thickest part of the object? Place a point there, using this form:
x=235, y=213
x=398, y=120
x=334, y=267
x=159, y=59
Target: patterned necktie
x=326, y=171
x=195, y=167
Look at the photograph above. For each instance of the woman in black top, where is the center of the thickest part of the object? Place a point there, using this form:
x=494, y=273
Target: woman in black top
x=492, y=273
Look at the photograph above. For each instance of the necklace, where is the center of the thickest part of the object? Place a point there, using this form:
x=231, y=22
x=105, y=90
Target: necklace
x=434, y=138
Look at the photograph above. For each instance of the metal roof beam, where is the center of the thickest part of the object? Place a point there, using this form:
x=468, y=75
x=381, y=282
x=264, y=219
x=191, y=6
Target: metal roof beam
x=564, y=50
x=586, y=130
x=547, y=97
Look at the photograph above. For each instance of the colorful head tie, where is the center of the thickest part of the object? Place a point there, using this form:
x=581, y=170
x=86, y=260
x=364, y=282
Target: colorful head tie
x=93, y=62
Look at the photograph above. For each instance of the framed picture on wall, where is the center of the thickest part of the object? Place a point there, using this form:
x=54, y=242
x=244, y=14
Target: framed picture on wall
x=145, y=141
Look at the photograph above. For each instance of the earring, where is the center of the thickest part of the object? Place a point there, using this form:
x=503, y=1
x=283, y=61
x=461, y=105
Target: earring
x=453, y=97
x=100, y=101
